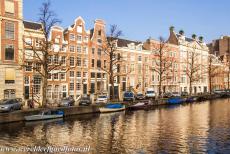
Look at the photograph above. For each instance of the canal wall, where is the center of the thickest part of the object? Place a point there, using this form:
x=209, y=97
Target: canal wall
x=68, y=111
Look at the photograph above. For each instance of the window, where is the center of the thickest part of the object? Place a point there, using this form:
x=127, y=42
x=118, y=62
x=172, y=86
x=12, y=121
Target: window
x=78, y=85
x=29, y=67
x=55, y=76
x=71, y=74
x=71, y=86
x=9, y=93
x=71, y=61
x=63, y=61
x=92, y=75
x=98, y=75
x=86, y=38
x=49, y=91
x=62, y=76
x=99, y=41
x=99, y=32
x=55, y=58
x=78, y=74
x=9, y=30
x=37, y=84
x=85, y=50
x=104, y=63
x=132, y=57
x=72, y=48
x=84, y=74
x=56, y=91
x=9, y=52
x=49, y=59
x=93, y=50
x=78, y=48
x=38, y=67
x=92, y=63
x=9, y=7
x=72, y=37
x=78, y=61
x=99, y=51
x=132, y=66
x=99, y=63
x=79, y=38
x=85, y=62
x=139, y=68
x=139, y=58
x=27, y=80
x=49, y=76
x=37, y=43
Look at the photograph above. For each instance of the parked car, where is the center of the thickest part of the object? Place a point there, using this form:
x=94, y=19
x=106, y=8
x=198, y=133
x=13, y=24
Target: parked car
x=7, y=105
x=140, y=96
x=66, y=102
x=150, y=93
x=184, y=93
x=175, y=94
x=218, y=91
x=128, y=96
x=167, y=95
x=102, y=99
x=85, y=101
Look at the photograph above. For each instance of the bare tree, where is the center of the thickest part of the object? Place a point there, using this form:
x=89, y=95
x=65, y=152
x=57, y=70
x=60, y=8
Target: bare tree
x=163, y=63
x=114, y=59
x=42, y=55
x=212, y=70
x=193, y=70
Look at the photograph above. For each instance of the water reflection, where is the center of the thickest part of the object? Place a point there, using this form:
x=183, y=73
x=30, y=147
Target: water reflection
x=192, y=128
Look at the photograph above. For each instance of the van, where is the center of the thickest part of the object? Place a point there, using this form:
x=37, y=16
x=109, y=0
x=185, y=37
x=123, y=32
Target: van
x=150, y=93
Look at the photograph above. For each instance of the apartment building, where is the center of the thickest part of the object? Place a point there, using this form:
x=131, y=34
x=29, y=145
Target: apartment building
x=76, y=55
x=170, y=54
x=191, y=49
x=11, y=30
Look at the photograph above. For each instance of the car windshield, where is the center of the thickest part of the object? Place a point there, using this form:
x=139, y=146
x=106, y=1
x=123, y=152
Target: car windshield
x=102, y=97
x=128, y=94
x=85, y=98
x=139, y=94
x=150, y=92
x=3, y=101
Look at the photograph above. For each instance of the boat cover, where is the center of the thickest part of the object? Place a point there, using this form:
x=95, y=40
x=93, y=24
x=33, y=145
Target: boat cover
x=114, y=106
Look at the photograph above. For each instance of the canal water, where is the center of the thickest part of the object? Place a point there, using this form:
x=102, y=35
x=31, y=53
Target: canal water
x=191, y=128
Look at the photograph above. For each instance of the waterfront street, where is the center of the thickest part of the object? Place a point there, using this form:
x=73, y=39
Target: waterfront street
x=190, y=128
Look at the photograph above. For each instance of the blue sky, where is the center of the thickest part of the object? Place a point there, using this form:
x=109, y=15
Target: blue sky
x=140, y=19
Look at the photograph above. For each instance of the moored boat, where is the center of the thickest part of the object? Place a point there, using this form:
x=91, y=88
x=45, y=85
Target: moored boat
x=139, y=106
x=45, y=115
x=112, y=108
x=175, y=100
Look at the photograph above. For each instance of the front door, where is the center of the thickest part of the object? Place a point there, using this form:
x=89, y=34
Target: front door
x=27, y=92
x=84, y=88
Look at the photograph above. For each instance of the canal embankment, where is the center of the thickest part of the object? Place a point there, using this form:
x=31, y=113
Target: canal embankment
x=19, y=115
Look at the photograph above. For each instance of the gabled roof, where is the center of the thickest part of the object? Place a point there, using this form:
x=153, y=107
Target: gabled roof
x=124, y=42
x=32, y=25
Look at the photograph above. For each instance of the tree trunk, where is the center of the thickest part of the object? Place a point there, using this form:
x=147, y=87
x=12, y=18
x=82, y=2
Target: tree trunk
x=159, y=88
x=44, y=90
x=190, y=88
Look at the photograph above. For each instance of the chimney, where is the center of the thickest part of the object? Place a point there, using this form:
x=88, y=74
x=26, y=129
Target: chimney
x=181, y=32
x=194, y=36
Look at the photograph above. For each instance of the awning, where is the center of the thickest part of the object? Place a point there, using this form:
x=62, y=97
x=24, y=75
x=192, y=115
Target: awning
x=10, y=74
